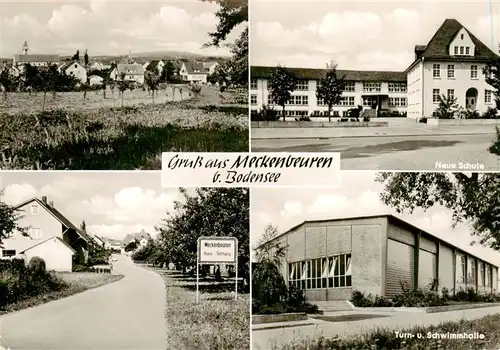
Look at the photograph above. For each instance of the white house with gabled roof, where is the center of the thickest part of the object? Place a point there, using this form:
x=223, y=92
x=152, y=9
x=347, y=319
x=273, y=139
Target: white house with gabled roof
x=43, y=223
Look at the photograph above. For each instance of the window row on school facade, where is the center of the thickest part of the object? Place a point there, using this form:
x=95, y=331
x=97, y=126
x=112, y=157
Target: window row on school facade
x=328, y=272
x=303, y=85
x=450, y=71
x=450, y=93
x=303, y=100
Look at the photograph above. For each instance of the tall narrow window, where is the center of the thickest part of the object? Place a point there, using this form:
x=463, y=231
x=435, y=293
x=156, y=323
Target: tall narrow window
x=487, y=96
x=456, y=50
x=467, y=50
x=473, y=72
x=348, y=272
x=435, y=95
x=436, y=71
x=461, y=50
x=451, y=71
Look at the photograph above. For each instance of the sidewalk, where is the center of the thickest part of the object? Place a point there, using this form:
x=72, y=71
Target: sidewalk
x=356, y=132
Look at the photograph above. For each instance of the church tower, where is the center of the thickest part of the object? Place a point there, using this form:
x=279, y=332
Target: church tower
x=25, y=48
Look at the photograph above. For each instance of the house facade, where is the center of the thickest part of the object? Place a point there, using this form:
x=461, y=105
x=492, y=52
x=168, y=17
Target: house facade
x=74, y=69
x=44, y=222
x=95, y=80
x=451, y=64
x=329, y=259
x=57, y=254
x=132, y=72
x=193, y=72
x=95, y=66
x=374, y=90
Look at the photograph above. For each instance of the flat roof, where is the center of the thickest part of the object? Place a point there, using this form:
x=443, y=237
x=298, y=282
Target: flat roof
x=392, y=219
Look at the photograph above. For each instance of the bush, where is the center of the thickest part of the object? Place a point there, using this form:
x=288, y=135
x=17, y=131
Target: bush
x=491, y=113
x=471, y=114
x=366, y=119
x=392, y=114
x=18, y=281
x=445, y=294
x=196, y=89
x=303, y=118
x=266, y=114
x=37, y=266
x=495, y=147
x=295, y=296
x=423, y=120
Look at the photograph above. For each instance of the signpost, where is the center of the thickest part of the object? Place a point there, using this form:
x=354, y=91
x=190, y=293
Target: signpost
x=217, y=250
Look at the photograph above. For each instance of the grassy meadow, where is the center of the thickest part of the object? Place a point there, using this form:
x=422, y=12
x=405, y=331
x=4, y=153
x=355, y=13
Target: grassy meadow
x=98, y=134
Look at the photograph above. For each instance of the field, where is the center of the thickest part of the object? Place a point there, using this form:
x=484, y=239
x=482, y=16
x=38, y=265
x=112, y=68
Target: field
x=73, y=134
x=218, y=322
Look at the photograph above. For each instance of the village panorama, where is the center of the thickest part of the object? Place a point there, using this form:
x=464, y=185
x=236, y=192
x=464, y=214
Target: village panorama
x=74, y=108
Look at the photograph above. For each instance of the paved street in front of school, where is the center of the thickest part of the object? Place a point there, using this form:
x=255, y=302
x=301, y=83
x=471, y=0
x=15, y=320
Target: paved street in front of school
x=128, y=314
x=398, y=147
x=266, y=335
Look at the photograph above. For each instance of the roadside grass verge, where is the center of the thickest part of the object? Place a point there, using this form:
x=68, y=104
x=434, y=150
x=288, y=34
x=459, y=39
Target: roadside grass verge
x=218, y=322
x=72, y=283
x=428, y=337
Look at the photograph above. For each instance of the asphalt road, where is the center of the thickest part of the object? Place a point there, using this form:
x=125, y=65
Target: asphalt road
x=394, y=152
x=128, y=314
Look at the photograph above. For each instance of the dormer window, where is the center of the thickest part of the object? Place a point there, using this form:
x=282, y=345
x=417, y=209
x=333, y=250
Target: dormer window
x=34, y=209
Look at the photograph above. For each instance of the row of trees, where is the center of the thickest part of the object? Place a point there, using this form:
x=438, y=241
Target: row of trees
x=208, y=212
x=283, y=82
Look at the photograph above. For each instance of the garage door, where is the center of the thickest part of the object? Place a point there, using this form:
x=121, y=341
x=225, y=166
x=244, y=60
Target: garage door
x=400, y=267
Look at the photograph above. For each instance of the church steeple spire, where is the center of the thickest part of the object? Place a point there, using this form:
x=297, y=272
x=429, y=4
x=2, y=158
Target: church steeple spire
x=25, y=48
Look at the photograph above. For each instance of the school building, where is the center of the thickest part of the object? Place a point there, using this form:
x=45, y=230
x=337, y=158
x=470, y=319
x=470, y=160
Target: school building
x=450, y=64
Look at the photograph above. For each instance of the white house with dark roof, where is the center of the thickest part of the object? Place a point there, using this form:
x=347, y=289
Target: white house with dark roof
x=451, y=64
x=74, y=69
x=50, y=235
x=132, y=72
x=193, y=72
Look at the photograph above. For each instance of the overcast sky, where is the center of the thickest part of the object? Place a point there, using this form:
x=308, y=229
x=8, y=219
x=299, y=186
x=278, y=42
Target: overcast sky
x=108, y=27
x=112, y=204
x=358, y=196
x=365, y=35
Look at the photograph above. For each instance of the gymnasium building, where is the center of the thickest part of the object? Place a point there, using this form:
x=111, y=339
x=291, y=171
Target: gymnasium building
x=329, y=259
